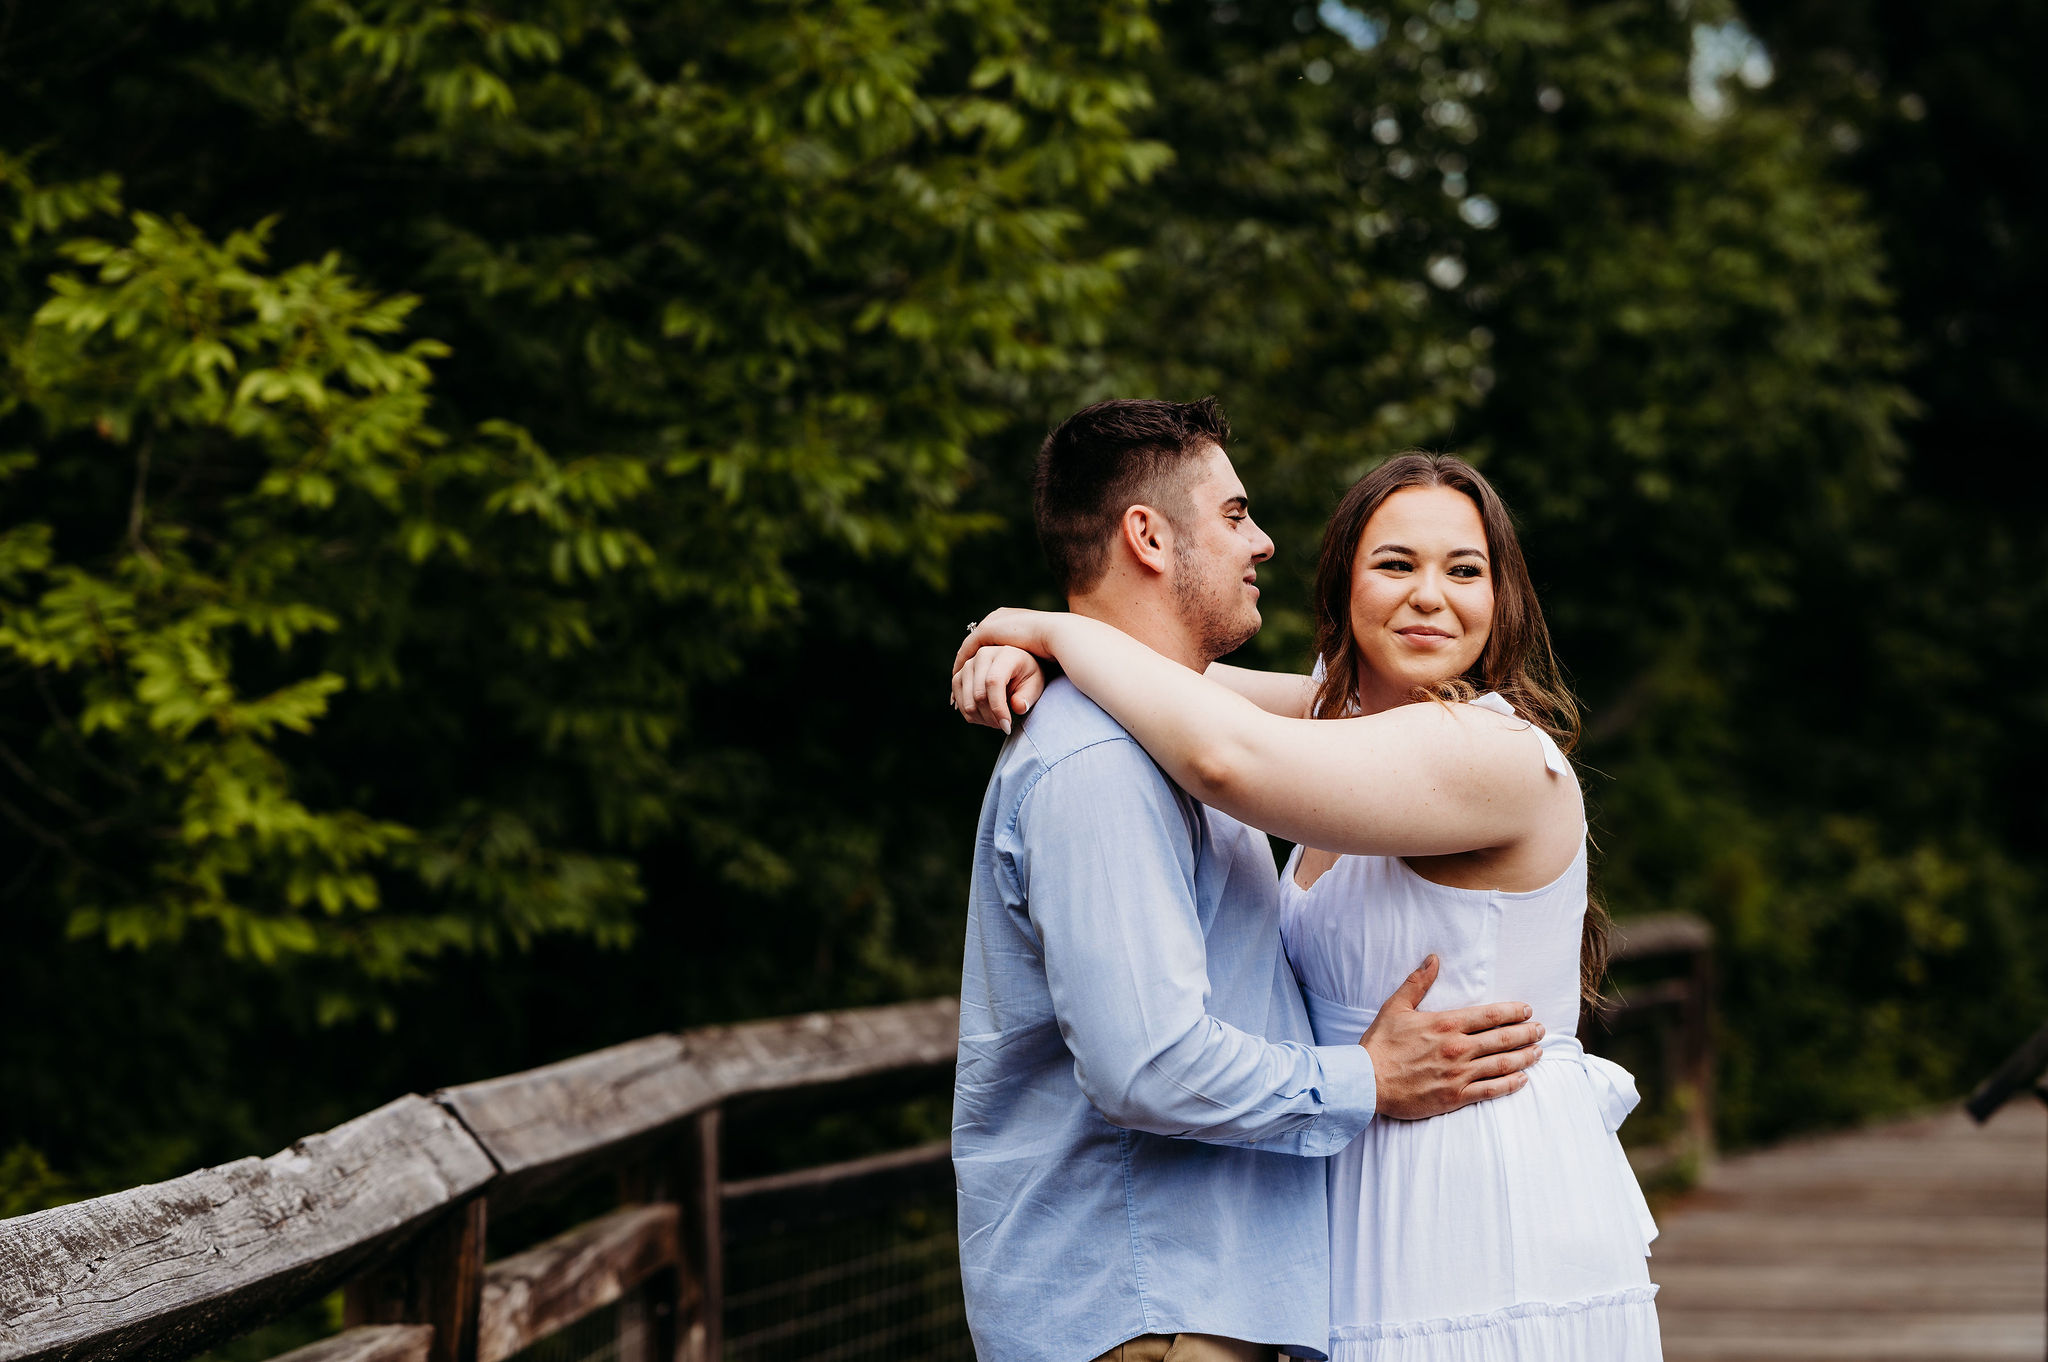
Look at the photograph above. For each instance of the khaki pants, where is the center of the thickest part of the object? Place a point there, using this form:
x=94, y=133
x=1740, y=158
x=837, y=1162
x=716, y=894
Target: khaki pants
x=1189, y=1348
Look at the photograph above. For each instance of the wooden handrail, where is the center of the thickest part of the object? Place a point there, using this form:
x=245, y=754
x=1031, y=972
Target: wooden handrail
x=538, y=1123
x=2024, y=1068
x=165, y=1270
x=394, y=1203
x=1640, y=938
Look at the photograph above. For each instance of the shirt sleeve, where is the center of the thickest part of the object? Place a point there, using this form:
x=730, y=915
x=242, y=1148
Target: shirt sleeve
x=1105, y=856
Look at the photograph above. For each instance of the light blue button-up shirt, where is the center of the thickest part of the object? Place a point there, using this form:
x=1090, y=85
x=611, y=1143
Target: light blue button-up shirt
x=1140, y=1112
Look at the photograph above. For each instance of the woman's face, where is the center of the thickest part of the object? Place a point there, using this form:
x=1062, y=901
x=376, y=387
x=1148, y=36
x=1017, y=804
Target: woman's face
x=1421, y=594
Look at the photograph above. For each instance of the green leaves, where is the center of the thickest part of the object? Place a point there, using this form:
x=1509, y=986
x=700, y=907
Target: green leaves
x=280, y=475
x=355, y=669
x=543, y=519
x=1670, y=339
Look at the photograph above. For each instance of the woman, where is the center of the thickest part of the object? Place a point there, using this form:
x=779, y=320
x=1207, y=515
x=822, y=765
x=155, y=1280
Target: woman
x=1422, y=771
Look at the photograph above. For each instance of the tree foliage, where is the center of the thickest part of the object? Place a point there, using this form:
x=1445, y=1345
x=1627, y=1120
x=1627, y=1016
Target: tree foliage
x=1639, y=292
x=778, y=271
x=483, y=486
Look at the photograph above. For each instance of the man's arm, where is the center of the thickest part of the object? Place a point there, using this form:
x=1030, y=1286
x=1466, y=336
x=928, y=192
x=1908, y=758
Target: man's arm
x=1107, y=871
x=1284, y=693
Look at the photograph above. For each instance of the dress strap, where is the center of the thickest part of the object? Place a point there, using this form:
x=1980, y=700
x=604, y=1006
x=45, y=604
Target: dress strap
x=1552, y=757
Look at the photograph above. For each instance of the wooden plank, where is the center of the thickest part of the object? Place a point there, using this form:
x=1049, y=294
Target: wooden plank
x=1733, y=1336
x=530, y=1295
x=1753, y=1236
x=537, y=1123
x=168, y=1270
x=1892, y=1203
x=1858, y=1175
x=768, y=1205
x=1917, y=1286
x=1919, y=1239
x=1639, y=938
x=368, y=1343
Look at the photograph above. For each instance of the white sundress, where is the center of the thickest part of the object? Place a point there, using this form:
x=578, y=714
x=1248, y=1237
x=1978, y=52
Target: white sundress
x=1507, y=1231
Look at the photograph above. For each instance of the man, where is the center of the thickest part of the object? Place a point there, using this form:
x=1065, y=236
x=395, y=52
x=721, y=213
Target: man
x=1140, y=1110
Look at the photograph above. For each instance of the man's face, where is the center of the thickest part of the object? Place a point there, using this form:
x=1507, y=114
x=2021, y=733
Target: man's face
x=1216, y=557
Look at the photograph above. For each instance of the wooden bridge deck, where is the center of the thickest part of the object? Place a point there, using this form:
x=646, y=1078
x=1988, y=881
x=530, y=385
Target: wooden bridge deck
x=1923, y=1240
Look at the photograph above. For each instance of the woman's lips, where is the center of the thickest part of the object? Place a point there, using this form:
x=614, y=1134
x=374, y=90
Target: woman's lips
x=1425, y=638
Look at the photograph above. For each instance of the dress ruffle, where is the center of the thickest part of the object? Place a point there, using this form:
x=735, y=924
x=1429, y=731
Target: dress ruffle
x=1621, y=1324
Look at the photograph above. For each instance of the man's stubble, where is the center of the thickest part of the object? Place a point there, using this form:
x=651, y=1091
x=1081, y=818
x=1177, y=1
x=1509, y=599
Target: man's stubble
x=1214, y=613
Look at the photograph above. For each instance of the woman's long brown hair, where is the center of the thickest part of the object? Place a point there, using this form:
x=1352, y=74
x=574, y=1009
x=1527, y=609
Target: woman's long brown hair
x=1517, y=662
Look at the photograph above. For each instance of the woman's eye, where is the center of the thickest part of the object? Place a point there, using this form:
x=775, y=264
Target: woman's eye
x=1396, y=564
x=1465, y=570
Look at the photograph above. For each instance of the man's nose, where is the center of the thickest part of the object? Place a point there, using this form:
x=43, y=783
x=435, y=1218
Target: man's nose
x=1262, y=547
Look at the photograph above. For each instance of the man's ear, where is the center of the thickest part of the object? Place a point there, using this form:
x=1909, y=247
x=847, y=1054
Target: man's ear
x=1147, y=536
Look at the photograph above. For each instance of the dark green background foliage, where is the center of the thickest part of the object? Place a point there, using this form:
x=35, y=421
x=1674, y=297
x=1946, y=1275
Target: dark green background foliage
x=487, y=493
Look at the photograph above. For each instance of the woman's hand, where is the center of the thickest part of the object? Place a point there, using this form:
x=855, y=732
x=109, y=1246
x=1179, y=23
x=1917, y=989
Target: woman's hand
x=994, y=671
x=995, y=681
x=1031, y=630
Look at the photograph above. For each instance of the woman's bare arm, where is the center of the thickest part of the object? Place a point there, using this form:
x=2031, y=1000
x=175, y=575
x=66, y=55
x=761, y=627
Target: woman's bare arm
x=1000, y=681
x=1420, y=780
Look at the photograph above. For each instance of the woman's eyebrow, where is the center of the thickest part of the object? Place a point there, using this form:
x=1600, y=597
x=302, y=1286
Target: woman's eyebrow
x=1454, y=553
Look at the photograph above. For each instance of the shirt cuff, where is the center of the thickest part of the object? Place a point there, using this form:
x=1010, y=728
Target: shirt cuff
x=1350, y=1089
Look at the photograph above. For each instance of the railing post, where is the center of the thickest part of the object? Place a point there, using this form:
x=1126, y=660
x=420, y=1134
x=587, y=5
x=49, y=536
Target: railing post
x=1699, y=1027
x=650, y=1315
x=438, y=1281
x=698, y=1180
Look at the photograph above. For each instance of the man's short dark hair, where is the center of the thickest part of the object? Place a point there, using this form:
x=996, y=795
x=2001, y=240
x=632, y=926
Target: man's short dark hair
x=1105, y=459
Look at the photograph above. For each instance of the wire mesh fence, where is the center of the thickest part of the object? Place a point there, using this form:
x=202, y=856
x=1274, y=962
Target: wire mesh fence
x=883, y=1288
x=878, y=1289
x=601, y=1336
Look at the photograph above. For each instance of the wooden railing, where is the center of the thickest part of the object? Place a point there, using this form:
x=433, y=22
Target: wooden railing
x=2024, y=1070
x=1676, y=1005
x=393, y=1206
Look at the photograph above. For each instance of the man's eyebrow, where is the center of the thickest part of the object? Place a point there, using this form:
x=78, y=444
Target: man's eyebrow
x=1241, y=502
